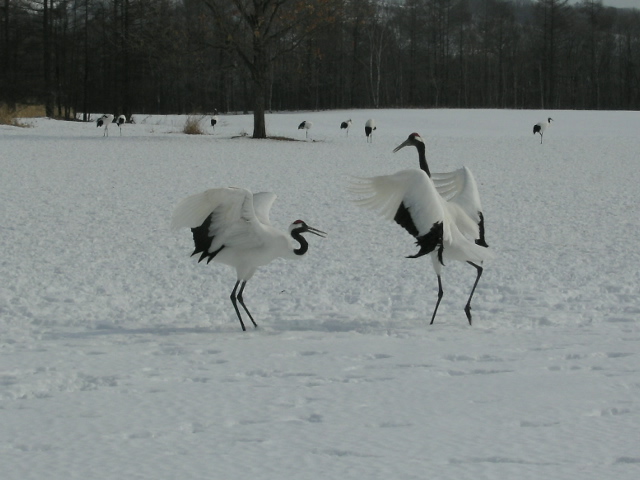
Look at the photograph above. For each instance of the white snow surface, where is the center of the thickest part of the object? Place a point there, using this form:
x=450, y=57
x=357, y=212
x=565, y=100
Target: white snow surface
x=122, y=358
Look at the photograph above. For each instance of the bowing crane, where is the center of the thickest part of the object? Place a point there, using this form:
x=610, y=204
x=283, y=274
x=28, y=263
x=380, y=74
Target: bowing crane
x=346, y=126
x=443, y=213
x=231, y=226
x=369, y=127
x=540, y=127
x=104, y=121
x=121, y=121
x=305, y=125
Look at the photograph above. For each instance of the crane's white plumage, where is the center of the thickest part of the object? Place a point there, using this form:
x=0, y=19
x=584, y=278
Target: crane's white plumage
x=305, y=125
x=193, y=210
x=414, y=191
x=346, y=126
x=235, y=223
x=232, y=226
x=121, y=121
x=369, y=127
x=442, y=212
x=540, y=127
x=459, y=187
x=384, y=194
x=104, y=121
x=262, y=203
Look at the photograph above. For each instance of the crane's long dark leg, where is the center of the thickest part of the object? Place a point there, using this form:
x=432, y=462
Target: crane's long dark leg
x=467, y=308
x=243, y=305
x=235, y=305
x=440, y=294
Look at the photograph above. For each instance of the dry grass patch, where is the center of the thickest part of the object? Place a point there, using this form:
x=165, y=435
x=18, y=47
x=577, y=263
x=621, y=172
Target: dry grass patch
x=30, y=111
x=192, y=125
x=9, y=116
x=283, y=139
x=277, y=138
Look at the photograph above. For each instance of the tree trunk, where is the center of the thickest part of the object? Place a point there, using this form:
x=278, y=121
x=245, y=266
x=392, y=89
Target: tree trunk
x=259, y=76
x=6, y=74
x=85, y=78
x=126, y=64
x=259, y=100
x=49, y=97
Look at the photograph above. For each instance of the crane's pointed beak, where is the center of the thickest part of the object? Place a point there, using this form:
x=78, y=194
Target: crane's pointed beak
x=402, y=145
x=315, y=231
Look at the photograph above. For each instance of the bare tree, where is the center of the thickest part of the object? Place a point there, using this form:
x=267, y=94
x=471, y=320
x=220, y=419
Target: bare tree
x=49, y=99
x=5, y=53
x=185, y=56
x=552, y=17
x=260, y=31
x=378, y=33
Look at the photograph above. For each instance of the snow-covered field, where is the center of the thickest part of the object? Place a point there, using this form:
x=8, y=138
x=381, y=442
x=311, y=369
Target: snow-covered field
x=122, y=358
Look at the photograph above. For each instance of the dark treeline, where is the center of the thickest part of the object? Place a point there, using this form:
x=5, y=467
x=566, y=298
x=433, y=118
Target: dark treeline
x=170, y=56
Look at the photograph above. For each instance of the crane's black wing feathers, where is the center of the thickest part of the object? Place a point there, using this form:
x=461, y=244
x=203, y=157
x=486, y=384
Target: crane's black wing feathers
x=403, y=218
x=430, y=241
x=203, y=240
x=427, y=242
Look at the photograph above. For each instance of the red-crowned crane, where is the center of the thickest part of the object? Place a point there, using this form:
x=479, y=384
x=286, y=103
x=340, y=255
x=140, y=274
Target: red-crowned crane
x=306, y=125
x=369, y=127
x=346, y=126
x=231, y=226
x=214, y=119
x=121, y=121
x=104, y=121
x=443, y=212
x=540, y=127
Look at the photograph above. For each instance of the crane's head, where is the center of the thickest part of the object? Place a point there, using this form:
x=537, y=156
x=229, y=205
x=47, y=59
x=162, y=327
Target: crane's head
x=550, y=120
x=413, y=140
x=300, y=227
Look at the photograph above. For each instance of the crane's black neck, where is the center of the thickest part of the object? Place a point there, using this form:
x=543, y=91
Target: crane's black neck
x=423, y=158
x=296, y=233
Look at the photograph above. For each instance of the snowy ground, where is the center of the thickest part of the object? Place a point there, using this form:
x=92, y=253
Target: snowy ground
x=122, y=358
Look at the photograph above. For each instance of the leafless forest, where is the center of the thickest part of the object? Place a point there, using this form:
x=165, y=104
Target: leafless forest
x=185, y=56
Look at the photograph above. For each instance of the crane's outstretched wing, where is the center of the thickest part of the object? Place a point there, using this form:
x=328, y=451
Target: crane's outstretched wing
x=410, y=198
x=262, y=205
x=221, y=217
x=460, y=188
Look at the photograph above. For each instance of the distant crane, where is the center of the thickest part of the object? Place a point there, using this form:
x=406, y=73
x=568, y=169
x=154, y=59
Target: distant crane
x=443, y=213
x=104, y=121
x=306, y=126
x=231, y=226
x=121, y=121
x=214, y=119
x=346, y=126
x=540, y=127
x=369, y=127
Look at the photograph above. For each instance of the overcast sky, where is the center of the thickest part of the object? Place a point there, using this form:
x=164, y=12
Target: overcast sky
x=617, y=3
